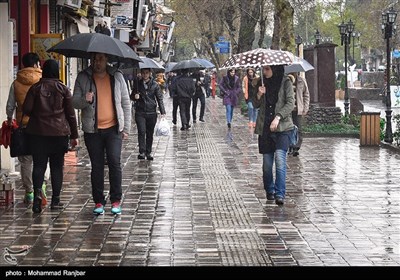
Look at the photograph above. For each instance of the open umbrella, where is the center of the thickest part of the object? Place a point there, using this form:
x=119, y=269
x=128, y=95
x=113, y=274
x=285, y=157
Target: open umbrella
x=258, y=58
x=300, y=65
x=204, y=62
x=83, y=44
x=146, y=63
x=187, y=64
x=169, y=66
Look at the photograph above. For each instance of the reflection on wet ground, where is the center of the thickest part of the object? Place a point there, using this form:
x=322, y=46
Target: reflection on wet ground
x=201, y=202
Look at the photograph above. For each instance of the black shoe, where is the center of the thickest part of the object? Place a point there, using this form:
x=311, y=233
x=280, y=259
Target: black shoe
x=229, y=125
x=188, y=126
x=194, y=120
x=270, y=196
x=56, y=206
x=295, y=153
x=202, y=120
x=37, y=201
x=183, y=128
x=174, y=122
x=279, y=201
x=141, y=156
x=149, y=157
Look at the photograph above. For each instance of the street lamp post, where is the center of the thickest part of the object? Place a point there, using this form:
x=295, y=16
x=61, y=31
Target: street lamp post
x=346, y=29
x=388, y=19
x=317, y=37
x=298, y=41
x=355, y=35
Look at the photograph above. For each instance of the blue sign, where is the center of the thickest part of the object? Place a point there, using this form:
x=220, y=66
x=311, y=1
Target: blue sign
x=396, y=53
x=221, y=38
x=224, y=50
x=222, y=44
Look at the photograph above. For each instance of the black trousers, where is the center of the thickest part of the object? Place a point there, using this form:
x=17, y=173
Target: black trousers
x=175, y=105
x=184, y=110
x=202, y=106
x=145, y=125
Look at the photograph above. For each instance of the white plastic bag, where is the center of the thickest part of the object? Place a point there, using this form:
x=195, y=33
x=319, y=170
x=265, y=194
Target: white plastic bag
x=163, y=128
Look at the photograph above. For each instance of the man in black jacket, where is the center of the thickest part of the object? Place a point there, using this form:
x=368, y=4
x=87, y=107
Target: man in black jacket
x=184, y=88
x=147, y=96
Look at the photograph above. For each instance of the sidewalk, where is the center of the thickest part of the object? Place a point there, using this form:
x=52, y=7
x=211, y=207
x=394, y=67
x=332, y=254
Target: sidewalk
x=201, y=203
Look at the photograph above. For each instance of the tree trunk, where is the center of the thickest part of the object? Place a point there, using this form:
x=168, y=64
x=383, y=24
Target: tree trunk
x=283, y=37
x=249, y=16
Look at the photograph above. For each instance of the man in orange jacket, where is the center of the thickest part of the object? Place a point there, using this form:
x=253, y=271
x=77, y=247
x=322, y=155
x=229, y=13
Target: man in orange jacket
x=26, y=77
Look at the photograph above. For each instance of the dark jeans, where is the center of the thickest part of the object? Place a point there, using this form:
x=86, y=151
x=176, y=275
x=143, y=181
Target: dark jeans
x=175, y=105
x=145, y=124
x=110, y=141
x=202, y=106
x=184, y=110
x=298, y=120
x=56, y=171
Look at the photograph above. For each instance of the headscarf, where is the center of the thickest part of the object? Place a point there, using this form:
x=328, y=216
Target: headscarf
x=51, y=69
x=274, y=83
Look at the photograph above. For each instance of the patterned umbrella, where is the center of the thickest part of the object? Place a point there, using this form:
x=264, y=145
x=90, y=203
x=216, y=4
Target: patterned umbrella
x=259, y=57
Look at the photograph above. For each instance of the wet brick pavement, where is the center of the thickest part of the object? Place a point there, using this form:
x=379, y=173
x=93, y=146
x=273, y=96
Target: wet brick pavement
x=201, y=203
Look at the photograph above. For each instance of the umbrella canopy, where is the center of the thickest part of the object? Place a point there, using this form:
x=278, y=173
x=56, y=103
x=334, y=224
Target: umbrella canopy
x=299, y=65
x=169, y=66
x=83, y=44
x=187, y=64
x=150, y=63
x=156, y=67
x=259, y=57
x=204, y=62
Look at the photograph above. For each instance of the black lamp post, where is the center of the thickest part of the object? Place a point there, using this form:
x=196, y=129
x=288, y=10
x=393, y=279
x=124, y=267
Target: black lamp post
x=388, y=19
x=346, y=29
x=298, y=41
x=317, y=37
x=355, y=35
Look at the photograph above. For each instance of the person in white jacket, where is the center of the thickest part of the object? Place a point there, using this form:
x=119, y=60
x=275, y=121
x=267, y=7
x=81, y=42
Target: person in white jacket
x=301, y=107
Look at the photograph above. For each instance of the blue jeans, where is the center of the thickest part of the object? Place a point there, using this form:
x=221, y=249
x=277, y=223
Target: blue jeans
x=279, y=187
x=110, y=141
x=229, y=113
x=253, y=112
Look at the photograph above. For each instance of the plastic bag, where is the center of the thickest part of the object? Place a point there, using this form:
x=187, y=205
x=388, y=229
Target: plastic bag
x=163, y=128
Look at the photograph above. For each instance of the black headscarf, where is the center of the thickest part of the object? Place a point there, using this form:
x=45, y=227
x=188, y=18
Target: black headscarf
x=274, y=83
x=51, y=69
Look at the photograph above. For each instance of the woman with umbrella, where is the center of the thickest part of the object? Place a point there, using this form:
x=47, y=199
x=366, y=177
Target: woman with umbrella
x=274, y=125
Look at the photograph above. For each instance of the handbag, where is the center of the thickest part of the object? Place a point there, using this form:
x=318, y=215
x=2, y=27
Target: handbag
x=19, y=143
x=294, y=136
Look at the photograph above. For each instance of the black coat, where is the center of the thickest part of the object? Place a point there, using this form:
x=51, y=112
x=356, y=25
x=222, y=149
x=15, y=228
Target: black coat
x=149, y=96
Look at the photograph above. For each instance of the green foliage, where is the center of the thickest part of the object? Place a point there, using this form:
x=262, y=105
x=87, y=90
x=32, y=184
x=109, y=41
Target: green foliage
x=396, y=134
x=352, y=119
x=243, y=107
x=382, y=124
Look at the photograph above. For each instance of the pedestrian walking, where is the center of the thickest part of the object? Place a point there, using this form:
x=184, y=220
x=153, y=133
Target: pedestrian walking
x=301, y=107
x=230, y=89
x=147, y=95
x=184, y=88
x=274, y=124
x=26, y=77
x=250, y=90
x=101, y=94
x=199, y=94
x=52, y=128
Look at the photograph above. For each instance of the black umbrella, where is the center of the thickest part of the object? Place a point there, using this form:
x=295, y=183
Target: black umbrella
x=146, y=63
x=82, y=45
x=169, y=66
x=187, y=64
x=204, y=62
